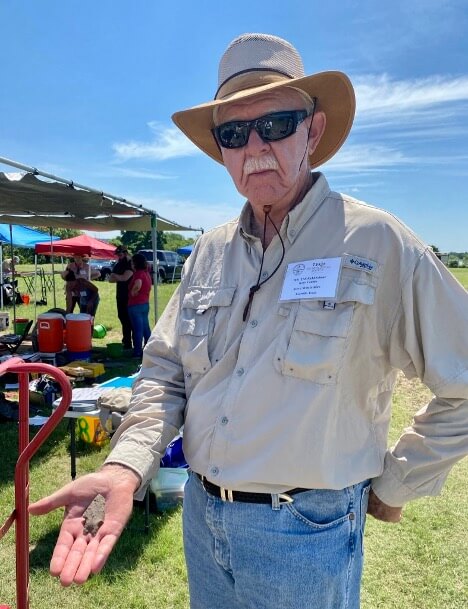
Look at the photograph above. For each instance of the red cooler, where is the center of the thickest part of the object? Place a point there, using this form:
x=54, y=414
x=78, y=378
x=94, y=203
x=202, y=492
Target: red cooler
x=79, y=332
x=50, y=332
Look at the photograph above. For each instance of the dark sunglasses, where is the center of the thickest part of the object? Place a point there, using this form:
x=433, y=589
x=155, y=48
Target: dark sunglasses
x=271, y=128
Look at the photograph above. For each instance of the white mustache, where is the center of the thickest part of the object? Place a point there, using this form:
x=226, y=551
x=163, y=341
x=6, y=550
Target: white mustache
x=264, y=163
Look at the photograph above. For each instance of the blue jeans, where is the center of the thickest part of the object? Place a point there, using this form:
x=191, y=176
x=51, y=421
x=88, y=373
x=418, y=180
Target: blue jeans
x=307, y=554
x=140, y=326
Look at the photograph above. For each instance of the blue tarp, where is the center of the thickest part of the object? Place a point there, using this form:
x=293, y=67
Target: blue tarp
x=185, y=251
x=23, y=236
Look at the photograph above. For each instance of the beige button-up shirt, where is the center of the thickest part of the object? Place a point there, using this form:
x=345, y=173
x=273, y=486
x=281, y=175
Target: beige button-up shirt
x=299, y=394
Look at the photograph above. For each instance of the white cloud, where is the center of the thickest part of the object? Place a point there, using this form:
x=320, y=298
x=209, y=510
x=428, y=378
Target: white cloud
x=192, y=213
x=363, y=157
x=141, y=174
x=381, y=99
x=396, y=119
x=166, y=143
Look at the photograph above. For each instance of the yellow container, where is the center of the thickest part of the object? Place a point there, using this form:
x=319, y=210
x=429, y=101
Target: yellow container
x=90, y=431
x=87, y=369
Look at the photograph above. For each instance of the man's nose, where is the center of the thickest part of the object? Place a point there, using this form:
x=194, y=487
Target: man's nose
x=255, y=142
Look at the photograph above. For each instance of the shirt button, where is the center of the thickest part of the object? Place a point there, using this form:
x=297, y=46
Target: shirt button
x=265, y=274
x=214, y=471
x=188, y=375
x=224, y=421
x=292, y=232
x=254, y=323
x=240, y=371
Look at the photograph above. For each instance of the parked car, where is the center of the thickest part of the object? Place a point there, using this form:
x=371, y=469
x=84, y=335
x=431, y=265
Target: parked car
x=169, y=264
x=103, y=266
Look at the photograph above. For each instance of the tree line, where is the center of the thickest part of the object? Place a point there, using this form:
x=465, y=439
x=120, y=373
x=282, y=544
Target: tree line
x=133, y=240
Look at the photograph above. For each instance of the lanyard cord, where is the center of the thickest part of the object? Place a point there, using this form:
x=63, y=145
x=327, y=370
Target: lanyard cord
x=258, y=285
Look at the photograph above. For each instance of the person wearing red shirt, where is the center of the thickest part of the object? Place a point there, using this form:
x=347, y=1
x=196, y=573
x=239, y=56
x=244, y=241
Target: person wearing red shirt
x=138, y=303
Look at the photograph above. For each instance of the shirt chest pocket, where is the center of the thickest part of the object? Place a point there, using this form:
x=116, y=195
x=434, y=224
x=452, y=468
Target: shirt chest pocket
x=313, y=342
x=203, y=321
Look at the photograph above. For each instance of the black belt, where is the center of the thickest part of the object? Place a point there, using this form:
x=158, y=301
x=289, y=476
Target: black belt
x=228, y=495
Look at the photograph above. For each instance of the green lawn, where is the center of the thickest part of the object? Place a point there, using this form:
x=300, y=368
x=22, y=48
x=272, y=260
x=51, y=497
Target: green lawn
x=462, y=276
x=419, y=564
x=106, y=312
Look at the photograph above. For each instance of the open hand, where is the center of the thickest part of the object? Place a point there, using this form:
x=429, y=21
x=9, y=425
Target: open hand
x=78, y=554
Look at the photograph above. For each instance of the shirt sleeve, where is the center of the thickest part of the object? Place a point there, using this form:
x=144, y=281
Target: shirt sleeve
x=157, y=405
x=429, y=339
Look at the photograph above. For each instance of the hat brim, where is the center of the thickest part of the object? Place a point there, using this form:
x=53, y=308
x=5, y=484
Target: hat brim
x=333, y=90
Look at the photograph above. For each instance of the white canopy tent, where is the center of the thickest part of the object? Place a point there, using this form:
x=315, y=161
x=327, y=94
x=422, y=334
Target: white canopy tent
x=36, y=198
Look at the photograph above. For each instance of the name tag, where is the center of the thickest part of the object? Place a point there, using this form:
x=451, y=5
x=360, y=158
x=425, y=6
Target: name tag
x=311, y=279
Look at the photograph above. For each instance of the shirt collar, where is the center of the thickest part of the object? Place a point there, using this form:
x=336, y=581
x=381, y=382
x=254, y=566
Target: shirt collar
x=297, y=217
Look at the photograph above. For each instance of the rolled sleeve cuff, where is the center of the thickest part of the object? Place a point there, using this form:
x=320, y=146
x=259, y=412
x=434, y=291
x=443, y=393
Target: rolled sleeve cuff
x=137, y=458
x=395, y=493
x=391, y=491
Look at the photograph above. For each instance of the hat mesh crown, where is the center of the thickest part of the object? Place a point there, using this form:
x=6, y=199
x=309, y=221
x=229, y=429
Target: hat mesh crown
x=251, y=52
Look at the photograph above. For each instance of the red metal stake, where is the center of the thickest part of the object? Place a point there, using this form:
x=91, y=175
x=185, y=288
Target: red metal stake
x=27, y=449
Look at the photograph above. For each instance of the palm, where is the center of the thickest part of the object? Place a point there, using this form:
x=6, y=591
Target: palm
x=77, y=553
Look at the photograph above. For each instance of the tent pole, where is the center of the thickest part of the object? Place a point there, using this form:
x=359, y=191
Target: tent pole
x=13, y=275
x=53, y=267
x=154, y=243
x=1, y=275
x=35, y=286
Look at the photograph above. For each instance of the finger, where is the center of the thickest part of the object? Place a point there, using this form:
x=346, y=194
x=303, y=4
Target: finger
x=62, y=548
x=72, y=529
x=87, y=561
x=73, y=561
x=103, y=551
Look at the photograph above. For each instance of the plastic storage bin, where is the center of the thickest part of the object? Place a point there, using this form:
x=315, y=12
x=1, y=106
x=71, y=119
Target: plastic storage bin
x=4, y=320
x=168, y=487
x=115, y=350
x=20, y=324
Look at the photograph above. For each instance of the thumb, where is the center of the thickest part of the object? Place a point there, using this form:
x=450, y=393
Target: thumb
x=47, y=504
x=70, y=493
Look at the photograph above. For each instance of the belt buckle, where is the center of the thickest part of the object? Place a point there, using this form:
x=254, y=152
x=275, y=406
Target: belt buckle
x=226, y=494
x=285, y=498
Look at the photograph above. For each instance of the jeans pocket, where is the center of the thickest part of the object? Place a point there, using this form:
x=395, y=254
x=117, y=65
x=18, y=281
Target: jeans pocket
x=323, y=509
x=364, y=504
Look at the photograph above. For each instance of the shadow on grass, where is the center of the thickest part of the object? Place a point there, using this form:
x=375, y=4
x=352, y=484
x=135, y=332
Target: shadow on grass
x=10, y=451
x=125, y=554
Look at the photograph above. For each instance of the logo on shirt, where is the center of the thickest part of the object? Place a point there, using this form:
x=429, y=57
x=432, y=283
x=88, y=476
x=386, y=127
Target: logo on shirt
x=298, y=269
x=364, y=264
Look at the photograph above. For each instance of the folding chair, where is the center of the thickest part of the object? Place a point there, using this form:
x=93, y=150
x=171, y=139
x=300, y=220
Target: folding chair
x=12, y=342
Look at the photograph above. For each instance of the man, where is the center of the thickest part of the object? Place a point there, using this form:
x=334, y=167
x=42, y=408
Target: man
x=121, y=274
x=279, y=353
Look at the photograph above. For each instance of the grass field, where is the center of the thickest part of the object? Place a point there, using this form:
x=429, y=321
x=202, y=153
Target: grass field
x=106, y=312
x=421, y=563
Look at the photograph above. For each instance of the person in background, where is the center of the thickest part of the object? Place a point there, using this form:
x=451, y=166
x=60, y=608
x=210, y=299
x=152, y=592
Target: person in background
x=8, y=265
x=83, y=292
x=121, y=274
x=139, y=290
x=81, y=270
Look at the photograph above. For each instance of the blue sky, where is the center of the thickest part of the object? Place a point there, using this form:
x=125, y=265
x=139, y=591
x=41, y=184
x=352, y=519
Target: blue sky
x=88, y=88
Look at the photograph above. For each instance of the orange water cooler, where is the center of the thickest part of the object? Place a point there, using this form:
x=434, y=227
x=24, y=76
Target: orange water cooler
x=50, y=332
x=78, y=335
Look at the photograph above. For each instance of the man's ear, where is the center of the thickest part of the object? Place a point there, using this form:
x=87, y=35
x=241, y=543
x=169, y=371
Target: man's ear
x=316, y=131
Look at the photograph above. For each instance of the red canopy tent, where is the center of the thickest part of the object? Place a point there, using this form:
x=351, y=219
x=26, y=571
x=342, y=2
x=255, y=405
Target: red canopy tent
x=83, y=245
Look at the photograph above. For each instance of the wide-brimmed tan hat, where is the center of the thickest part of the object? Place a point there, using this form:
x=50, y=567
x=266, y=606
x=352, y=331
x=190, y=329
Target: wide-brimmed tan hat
x=257, y=63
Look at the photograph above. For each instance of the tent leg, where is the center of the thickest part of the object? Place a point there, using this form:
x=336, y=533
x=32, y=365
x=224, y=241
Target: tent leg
x=154, y=243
